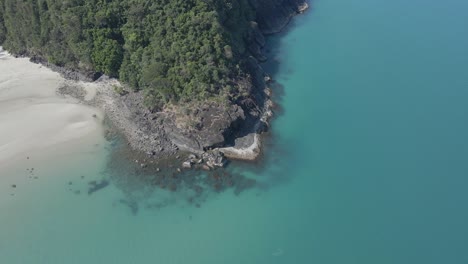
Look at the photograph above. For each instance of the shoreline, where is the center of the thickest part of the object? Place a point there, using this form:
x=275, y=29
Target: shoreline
x=253, y=151
x=34, y=120
x=155, y=134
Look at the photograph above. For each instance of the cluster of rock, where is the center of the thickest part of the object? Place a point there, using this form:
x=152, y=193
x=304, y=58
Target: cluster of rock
x=207, y=161
x=173, y=176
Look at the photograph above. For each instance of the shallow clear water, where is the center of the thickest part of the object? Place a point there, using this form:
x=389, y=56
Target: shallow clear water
x=368, y=163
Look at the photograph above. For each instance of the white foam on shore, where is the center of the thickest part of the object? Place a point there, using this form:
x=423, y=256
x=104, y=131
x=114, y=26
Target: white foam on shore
x=34, y=119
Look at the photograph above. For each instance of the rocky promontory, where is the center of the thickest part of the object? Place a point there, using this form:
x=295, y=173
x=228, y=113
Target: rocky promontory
x=233, y=129
x=211, y=129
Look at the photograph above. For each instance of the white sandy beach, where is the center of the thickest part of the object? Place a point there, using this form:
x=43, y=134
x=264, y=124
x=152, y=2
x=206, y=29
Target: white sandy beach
x=34, y=120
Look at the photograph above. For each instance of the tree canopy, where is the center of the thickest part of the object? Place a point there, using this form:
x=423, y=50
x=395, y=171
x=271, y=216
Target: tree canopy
x=173, y=50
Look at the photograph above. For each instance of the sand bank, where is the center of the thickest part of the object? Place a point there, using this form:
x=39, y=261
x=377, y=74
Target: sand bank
x=34, y=119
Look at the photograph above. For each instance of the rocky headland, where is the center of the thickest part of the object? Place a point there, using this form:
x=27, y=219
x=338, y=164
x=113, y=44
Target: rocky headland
x=199, y=134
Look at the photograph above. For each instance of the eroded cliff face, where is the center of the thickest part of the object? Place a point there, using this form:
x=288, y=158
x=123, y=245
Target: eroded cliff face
x=274, y=15
x=208, y=126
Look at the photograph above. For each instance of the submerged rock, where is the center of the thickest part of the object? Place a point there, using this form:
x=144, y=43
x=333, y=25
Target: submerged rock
x=96, y=186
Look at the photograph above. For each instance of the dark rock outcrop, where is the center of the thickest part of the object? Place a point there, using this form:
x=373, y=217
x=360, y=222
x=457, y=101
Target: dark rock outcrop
x=274, y=15
x=215, y=123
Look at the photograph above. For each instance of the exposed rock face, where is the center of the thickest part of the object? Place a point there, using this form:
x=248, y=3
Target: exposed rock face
x=274, y=15
x=215, y=123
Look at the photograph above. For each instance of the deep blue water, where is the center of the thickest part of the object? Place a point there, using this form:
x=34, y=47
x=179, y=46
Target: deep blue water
x=375, y=102
x=368, y=160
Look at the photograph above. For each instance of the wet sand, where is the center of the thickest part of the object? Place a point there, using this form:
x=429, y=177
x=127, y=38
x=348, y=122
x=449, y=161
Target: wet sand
x=34, y=119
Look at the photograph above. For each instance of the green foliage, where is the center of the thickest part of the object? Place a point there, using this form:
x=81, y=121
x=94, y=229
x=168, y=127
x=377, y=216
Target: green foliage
x=173, y=50
x=107, y=53
x=119, y=90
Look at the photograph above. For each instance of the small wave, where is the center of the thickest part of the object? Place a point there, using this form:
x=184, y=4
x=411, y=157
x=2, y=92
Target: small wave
x=279, y=252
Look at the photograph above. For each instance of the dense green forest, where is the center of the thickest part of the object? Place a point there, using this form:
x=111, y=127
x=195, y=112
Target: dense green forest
x=172, y=50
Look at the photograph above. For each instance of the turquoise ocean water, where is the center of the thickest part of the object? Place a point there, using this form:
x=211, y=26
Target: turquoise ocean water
x=368, y=160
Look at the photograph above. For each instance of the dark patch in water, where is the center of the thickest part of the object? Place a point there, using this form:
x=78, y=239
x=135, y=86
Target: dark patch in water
x=96, y=186
x=163, y=182
x=131, y=204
